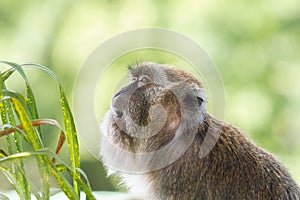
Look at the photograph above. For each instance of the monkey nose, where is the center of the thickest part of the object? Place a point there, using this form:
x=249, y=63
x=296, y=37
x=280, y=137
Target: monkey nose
x=119, y=113
x=117, y=107
x=117, y=94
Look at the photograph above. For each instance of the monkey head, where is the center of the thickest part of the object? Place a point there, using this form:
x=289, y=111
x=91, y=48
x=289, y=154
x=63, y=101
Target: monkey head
x=159, y=102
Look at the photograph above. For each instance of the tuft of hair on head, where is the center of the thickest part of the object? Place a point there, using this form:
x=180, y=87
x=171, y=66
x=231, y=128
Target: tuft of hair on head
x=132, y=64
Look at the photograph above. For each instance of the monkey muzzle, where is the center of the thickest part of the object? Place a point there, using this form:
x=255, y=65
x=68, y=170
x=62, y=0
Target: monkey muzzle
x=134, y=102
x=120, y=100
x=117, y=106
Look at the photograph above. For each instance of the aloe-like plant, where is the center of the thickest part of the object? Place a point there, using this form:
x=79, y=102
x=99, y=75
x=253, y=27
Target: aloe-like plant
x=21, y=123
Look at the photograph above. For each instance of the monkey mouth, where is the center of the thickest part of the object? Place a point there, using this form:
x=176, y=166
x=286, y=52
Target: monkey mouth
x=119, y=114
x=117, y=107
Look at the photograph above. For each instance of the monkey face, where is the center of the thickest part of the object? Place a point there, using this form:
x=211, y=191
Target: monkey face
x=133, y=107
x=148, y=111
x=134, y=101
x=154, y=119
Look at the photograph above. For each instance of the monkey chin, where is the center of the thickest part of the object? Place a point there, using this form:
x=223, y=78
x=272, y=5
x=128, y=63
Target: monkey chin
x=160, y=139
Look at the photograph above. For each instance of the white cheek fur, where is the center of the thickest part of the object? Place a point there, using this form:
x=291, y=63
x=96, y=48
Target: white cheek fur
x=136, y=183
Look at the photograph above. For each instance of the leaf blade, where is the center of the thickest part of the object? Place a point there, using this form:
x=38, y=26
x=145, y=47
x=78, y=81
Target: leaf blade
x=36, y=144
x=70, y=131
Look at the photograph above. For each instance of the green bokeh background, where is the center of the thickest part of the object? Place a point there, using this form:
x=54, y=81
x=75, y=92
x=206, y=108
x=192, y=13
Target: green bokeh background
x=255, y=45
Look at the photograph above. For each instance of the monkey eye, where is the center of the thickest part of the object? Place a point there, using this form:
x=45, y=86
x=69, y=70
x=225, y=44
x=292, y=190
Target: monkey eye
x=133, y=79
x=145, y=79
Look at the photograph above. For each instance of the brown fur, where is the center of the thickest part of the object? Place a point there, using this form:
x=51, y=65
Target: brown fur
x=234, y=169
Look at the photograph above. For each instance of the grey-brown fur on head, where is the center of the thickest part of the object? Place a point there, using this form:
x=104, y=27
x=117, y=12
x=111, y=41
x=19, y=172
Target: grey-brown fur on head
x=234, y=169
x=173, y=78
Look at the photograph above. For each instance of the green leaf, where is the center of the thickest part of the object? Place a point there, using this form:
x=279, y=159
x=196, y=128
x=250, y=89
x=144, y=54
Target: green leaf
x=16, y=67
x=7, y=115
x=12, y=179
x=12, y=103
x=8, y=128
x=63, y=183
x=32, y=105
x=5, y=75
x=42, y=68
x=35, y=142
x=71, y=134
x=26, y=124
x=70, y=129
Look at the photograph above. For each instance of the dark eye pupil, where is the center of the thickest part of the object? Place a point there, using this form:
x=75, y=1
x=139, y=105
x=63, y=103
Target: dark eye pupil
x=133, y=79
x=144, y=80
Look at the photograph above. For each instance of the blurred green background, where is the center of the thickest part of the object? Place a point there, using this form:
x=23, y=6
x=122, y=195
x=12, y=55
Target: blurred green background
x=255, y=45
